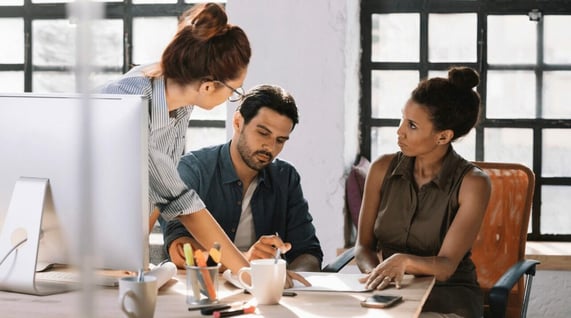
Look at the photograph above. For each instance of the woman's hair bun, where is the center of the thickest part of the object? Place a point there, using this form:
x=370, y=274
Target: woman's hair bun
x=207, y=20
x=463, y=77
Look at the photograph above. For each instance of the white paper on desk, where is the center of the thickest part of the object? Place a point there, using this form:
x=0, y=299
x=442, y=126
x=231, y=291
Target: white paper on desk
x=333, y=282
x=232, y=279
x=163, y=273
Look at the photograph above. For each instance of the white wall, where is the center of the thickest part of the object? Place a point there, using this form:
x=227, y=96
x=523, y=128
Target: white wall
x=301, y=45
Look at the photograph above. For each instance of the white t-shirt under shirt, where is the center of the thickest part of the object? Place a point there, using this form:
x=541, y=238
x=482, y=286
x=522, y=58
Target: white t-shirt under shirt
x=245, y=233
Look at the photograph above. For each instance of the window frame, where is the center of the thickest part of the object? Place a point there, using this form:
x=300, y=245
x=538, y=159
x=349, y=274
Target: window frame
x=482, y=8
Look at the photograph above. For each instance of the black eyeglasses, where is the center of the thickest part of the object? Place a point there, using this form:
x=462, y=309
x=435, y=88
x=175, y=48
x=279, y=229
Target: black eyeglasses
x=237, y=93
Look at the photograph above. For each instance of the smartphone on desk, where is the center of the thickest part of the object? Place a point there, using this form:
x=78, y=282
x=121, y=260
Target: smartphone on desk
x=381, y=301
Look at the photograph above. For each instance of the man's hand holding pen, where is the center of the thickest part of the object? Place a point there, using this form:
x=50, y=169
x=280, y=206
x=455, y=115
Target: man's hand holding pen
x=266, y=247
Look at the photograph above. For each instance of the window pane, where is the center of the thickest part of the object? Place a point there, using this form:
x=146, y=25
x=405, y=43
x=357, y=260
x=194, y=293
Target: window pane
x=556, y=95
x=509, y=145
x=395, y=37
x=107, y=38
x=68, y=1
x=390, y=91
x=557, y=47
x=511, y=39
x=556, y=153
x=12, y=82
x=52, y=1
x=554, y=216
x=53, y=82
x=452, y=37
x=437, y=73
x=64, y=82
x=216, y=113
x=202, y=1
x=153, y=1
x=12, y=3
x=199, y=137
x=53, y=42
x=383, y=141
x=13, y=53
x=510, y=94
x=151, y=36
x=98, y=79
x=466, y=146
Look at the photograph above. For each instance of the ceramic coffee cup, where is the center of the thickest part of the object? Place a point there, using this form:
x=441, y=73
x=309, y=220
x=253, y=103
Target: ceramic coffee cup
x=138, y=298
x=268, y=279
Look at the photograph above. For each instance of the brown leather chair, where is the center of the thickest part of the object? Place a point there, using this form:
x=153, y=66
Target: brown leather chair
x=499, y=250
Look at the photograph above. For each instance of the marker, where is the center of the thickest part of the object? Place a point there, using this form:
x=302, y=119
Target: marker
x=201, y=261
x=230, y=313
x=194, y=277
x=207, y=311
x=214, y=255
x=285, y=293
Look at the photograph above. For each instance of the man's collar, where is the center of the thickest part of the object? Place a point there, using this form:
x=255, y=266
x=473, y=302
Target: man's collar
x=228, y=171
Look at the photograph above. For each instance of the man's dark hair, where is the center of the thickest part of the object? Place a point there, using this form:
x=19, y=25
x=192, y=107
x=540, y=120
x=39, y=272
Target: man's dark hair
x=272, y=97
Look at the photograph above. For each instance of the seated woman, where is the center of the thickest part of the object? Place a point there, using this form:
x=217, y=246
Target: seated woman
x=423, y=206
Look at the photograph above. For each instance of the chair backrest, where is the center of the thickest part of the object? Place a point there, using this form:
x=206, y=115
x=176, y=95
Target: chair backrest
x=503, y=234
x=354, y=188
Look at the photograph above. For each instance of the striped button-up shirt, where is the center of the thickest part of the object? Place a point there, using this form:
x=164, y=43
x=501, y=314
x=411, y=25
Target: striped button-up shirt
x=167, y=132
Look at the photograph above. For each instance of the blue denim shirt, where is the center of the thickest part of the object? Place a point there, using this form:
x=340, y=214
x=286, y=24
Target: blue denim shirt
x=278, y=204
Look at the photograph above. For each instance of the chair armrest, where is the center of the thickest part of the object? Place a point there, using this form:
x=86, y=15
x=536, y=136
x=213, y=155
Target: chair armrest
x=498, y=295
x=340, y=261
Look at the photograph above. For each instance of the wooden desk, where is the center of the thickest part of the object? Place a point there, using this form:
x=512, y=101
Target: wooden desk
x=171, y=302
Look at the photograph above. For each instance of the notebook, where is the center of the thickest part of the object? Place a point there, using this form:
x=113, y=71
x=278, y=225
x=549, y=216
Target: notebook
x=333, y=282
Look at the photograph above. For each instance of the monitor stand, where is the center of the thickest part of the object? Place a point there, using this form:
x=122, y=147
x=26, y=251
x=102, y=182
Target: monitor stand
x=23, y=228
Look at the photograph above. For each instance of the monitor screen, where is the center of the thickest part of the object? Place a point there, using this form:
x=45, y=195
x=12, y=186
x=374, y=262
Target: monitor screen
x=91, y=156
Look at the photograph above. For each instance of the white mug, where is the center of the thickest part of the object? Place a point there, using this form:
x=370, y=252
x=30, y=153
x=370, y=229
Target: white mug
x=138, y=298
x=268, y=279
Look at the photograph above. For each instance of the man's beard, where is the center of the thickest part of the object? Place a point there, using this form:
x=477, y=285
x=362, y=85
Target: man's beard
x=250, y=160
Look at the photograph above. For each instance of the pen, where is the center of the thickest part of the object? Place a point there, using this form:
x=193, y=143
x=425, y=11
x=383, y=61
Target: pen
x=285, y=293
x=194, y=278
x=277, y=256
x=230, y=313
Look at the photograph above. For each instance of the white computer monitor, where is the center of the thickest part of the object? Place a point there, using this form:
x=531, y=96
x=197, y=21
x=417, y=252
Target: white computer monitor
x=66, y=155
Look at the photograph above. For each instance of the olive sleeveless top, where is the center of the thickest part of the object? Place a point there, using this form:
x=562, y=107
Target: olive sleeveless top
x=415, y=221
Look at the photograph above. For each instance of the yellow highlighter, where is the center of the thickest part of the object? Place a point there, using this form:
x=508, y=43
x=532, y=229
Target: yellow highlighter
x=188, y=255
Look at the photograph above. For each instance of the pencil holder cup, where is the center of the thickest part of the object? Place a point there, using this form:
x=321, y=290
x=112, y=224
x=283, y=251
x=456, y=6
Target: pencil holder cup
x=201, y=285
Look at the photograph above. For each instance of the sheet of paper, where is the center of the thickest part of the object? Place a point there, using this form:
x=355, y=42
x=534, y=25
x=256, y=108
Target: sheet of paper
x=232, y=279
x=334, y=282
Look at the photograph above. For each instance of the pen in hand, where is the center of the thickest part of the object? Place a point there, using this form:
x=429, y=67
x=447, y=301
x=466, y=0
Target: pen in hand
x=278, y=252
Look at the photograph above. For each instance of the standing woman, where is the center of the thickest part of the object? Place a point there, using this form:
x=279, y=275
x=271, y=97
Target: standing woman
x=423, y=206
x=203, y=65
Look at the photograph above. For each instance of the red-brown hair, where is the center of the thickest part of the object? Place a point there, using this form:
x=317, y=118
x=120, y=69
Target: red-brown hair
x=205, y=47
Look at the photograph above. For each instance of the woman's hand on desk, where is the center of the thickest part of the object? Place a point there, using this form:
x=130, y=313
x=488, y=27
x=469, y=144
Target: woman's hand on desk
x=390, y=270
